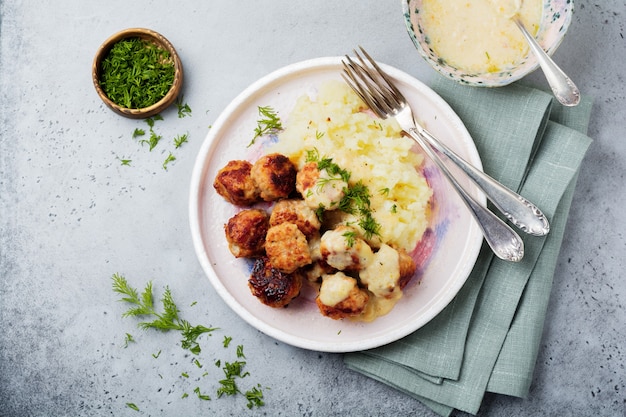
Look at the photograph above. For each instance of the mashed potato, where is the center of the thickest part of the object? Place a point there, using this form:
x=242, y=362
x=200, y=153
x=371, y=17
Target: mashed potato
x=337, y=125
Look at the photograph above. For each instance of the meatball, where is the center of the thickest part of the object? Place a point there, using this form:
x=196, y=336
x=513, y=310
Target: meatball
x=271, y=286
x=287, y=247
x=298, y=213
x=407, y=268
x=382, y=276
x=341, y=248
x=319, y=188
x=274, y=176
x=245, y=233
x=234, y=183
x=341, y=297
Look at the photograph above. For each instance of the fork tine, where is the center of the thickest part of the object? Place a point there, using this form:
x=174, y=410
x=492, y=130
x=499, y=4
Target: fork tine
x=398, y=95
x=362, y=81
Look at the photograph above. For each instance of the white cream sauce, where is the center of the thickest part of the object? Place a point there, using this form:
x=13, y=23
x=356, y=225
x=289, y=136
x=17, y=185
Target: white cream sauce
x=479, y=35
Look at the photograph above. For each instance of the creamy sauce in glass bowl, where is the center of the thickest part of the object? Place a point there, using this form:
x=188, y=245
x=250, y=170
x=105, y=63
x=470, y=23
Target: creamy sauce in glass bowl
x=478, y=35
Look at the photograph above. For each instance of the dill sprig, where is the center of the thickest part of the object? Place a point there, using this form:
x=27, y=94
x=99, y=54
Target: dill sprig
x=356, y=199
x=268, y=123
x=168, y=319
x=183, y=108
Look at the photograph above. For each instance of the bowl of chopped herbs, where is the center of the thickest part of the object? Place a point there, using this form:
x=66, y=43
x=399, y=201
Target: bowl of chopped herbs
x=137, y=73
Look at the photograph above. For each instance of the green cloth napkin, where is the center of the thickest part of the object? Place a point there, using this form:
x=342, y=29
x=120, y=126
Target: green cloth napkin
x=488, y=337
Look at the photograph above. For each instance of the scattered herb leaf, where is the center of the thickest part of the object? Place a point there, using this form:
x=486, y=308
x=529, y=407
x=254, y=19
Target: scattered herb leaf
x=170, y=158
x=128, y=339
x=268, y=123
x=132, y=406
x=200, y=395
x=179, y=140
x=167, y=320
x=183, y=109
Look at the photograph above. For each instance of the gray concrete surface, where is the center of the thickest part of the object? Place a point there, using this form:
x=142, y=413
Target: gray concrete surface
x=71, y=215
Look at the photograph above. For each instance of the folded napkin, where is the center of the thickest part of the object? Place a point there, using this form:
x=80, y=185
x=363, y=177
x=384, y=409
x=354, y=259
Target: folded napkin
x=488, y=337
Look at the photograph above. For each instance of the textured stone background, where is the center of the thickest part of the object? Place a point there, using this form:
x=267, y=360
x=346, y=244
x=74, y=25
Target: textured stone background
x=71, y=215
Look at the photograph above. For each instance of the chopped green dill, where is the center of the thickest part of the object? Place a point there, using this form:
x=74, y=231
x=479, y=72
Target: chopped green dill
x=170, y=158
x=136, y=73
x=228, y=385
x=227, y=340
x=180, y=139
x=193, y=304
x=132, y=406
x=143, y=305
x=138, y=132
x=319, y=212
x=369, y=225
x=255, y=397
x=167, y=317
x=128, y=339
x=153, y=141
x=327, y=164
x=394, y=208
x=240, y=352
x=487, y=54
x=318, y=134
x=356, y=199
x=183, y=109
x=350, y=238
x=126, y=162
x=384, y=191
x=268, y=123
x=200, y=395
x=156, y=355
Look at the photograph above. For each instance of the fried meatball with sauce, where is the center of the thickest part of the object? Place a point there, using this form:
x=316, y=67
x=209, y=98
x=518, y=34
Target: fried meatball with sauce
x=341, y=297
x=274, y=176
x=319, y=188
x=407, y=267
x=382, y=276
x=298, y=213
x=341, y=248
x=245, y=233
x=287, y=247
x=235, y=184
x=273, y=287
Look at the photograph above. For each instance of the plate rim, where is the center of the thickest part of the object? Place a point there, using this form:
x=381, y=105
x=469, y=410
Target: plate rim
x=201, y=167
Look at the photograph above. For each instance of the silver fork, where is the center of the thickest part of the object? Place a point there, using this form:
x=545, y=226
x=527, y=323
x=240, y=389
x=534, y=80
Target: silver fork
x=377, y=90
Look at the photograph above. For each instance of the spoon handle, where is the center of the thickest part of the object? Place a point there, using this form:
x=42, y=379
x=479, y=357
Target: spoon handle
x=562, y=86
x=521, y=212
x=503, y=241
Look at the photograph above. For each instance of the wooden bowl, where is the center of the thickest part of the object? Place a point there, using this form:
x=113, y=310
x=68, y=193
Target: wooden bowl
x=157, y=39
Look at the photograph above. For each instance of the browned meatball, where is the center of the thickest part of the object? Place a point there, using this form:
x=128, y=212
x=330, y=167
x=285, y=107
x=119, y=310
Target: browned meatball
x=245, y=233
x=298, y=213
x=341, y=297
x=273, y=287
x=234, y=183
x=342, y=249
x=407, y=268
x=319, y=188
x=274, y=176
x=287, y=247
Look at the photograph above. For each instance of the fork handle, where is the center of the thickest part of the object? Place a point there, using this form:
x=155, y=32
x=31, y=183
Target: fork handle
x=521, y=212
x=503, y=240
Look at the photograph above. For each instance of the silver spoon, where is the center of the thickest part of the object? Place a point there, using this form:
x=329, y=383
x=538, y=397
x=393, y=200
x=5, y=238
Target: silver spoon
x=562, y=86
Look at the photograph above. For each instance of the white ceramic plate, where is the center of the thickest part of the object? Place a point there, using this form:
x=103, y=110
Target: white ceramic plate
x=445, y=256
